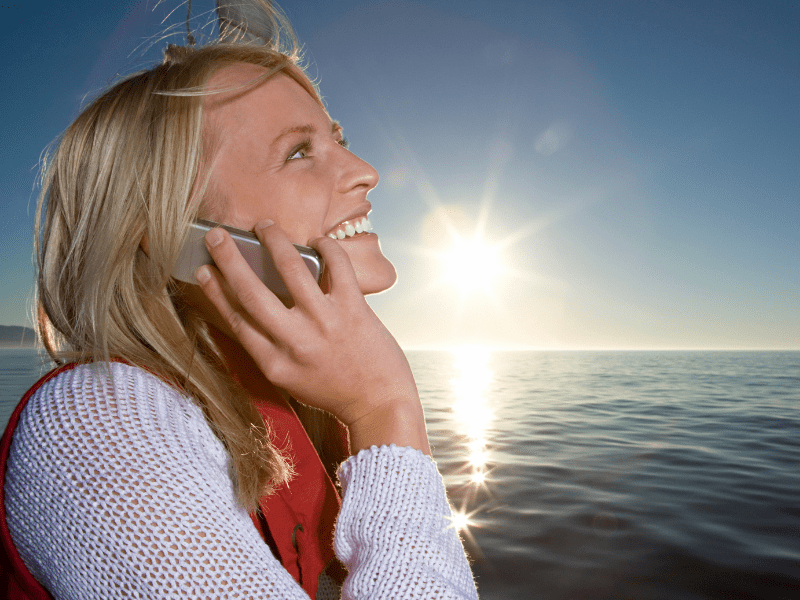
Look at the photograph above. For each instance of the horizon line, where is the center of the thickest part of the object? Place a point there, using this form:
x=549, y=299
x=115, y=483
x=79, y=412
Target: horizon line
x=517, y=348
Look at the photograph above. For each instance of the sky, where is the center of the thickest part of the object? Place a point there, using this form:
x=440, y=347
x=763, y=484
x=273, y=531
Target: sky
x=554, y=175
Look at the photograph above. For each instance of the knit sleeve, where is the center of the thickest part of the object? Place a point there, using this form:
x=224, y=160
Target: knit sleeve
x=116, y=487
x=394, y=531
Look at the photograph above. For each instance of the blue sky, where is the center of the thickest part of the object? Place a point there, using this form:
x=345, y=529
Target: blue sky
x=634, y=164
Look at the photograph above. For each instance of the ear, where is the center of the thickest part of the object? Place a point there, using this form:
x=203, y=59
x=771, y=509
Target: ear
x=144, y=244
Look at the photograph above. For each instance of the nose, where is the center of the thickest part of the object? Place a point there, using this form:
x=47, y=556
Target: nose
x=356, y=174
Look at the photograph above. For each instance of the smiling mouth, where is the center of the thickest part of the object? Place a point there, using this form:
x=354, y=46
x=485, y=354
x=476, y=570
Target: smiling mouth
x=348, y=229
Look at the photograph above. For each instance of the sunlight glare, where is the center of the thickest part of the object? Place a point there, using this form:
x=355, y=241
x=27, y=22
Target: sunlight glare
x=479, y=477
x=471, y=408
x=470, y=264
x=479, y=459
x=459, y=520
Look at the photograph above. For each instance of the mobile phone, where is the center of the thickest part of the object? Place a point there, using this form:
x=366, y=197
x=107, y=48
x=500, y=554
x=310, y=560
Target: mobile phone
x=194, y=254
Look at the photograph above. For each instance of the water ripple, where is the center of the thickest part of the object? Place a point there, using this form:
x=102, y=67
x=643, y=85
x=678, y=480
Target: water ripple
x=631, y=474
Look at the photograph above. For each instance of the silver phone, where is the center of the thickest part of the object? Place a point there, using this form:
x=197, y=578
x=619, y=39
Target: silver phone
x=194, y=254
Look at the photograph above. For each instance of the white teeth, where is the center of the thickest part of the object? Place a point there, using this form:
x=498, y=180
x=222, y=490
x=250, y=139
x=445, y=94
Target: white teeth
x=350, y=229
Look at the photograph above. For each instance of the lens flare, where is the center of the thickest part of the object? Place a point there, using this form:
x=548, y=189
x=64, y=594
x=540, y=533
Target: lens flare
x=478, y=477
x=459, y=520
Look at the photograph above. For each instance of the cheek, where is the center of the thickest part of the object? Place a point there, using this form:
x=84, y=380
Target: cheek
x=299, y=211
x=243, y=205
x=302, y=222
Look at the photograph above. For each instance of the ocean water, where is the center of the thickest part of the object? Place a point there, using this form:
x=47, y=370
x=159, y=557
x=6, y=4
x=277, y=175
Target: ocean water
x=618, y=475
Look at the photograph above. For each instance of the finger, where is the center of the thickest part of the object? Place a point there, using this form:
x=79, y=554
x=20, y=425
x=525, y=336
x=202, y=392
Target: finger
x=250, y=291
x=214, y=286
x=341, y=275
x=290, y=265
x=267, y=351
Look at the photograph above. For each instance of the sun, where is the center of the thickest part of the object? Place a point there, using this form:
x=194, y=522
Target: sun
x=471, y=264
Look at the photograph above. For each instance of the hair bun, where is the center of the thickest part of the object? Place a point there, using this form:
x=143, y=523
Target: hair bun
x=176, y=54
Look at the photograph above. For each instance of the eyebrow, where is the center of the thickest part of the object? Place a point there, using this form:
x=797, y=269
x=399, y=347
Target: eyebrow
x=309, y=129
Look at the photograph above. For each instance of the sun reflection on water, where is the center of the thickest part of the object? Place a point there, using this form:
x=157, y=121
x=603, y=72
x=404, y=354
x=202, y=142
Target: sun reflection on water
x=459, y=520
x=471, y=406
x=473, y=420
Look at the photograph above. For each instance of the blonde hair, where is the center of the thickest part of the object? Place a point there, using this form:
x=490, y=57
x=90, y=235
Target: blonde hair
x=129, y=167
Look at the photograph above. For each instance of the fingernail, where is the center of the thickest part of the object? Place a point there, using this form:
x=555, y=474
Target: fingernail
x=202, y=274
x=214, y=237
x=263, y=224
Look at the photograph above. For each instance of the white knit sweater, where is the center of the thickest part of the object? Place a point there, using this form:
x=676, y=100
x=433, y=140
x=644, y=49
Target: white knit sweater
x=117, y=488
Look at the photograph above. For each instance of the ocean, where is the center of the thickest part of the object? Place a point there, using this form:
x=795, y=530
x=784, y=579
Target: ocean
x=608, y=475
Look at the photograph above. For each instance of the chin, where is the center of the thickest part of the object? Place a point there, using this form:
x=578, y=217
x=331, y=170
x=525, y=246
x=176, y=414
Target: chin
x=377, y=280
x=374, y=272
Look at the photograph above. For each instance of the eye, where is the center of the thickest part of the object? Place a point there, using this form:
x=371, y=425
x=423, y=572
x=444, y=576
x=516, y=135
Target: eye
x=302, y=150
x=344, y=143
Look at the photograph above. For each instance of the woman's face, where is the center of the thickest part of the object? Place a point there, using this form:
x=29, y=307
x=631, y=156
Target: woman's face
x=277, y=155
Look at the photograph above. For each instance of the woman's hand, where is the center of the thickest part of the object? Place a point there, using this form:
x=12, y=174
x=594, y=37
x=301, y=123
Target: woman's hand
x=329, y=350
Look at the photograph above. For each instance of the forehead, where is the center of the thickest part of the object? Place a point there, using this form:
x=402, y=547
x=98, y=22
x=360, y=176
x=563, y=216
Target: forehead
x=270, y=104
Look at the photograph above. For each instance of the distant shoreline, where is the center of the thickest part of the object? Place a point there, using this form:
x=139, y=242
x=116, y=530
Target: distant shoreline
x=16, y=336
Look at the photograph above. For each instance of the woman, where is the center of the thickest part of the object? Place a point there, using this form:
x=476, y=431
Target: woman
x=171, y=454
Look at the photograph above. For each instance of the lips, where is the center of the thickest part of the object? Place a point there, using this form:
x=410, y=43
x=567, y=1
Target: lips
x=350, y=228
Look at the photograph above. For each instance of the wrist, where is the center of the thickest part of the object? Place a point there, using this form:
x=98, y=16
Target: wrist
x=399, y=422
